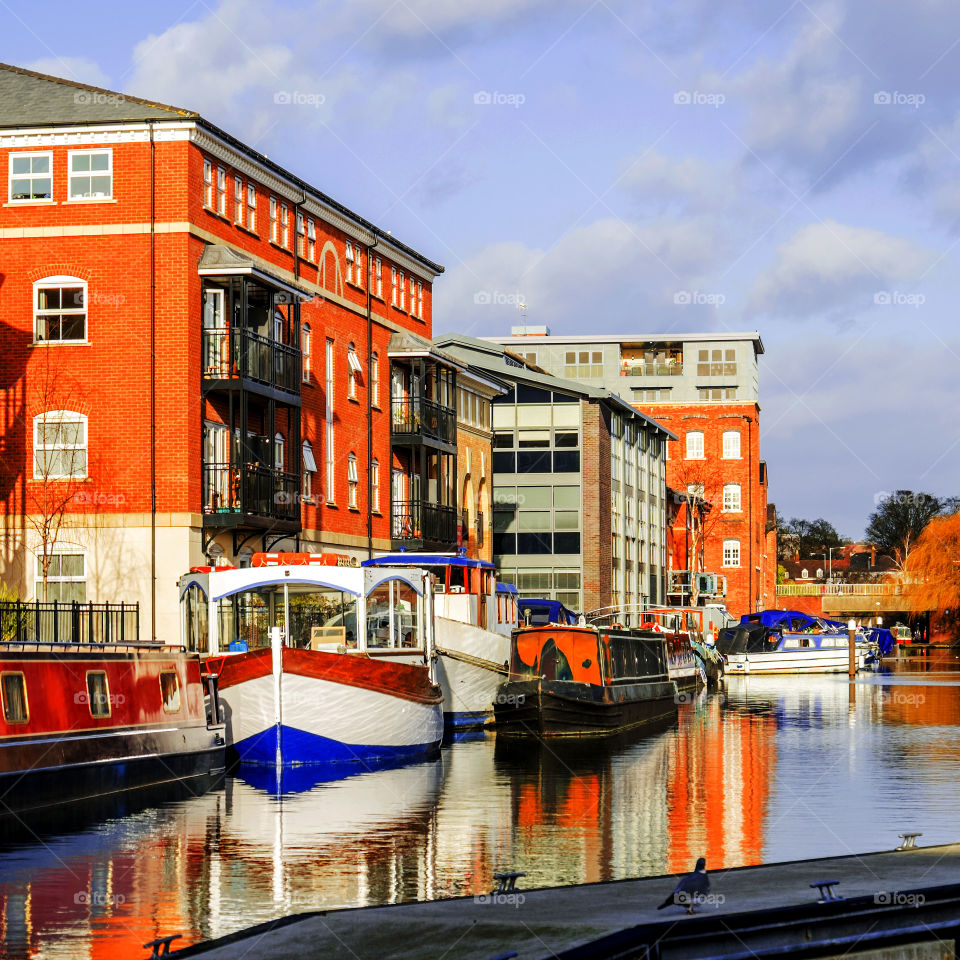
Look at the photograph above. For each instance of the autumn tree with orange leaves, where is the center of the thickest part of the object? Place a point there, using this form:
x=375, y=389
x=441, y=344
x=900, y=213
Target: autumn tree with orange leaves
x=932, y=575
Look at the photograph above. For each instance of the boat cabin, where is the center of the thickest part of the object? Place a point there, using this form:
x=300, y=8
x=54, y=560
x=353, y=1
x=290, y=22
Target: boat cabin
x=313, y=606
x=541, y=613
x=587, y=655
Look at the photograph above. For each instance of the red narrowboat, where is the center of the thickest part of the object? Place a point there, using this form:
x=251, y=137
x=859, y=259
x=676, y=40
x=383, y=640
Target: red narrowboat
x=86, y=720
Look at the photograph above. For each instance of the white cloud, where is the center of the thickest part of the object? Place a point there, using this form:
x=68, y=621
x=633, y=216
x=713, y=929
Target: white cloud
x=829, y=267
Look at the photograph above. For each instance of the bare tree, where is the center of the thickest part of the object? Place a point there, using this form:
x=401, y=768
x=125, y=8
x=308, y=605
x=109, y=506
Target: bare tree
x=699, y=485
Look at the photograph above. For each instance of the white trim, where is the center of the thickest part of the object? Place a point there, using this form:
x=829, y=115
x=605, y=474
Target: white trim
x=83, y=443
x=71, y=173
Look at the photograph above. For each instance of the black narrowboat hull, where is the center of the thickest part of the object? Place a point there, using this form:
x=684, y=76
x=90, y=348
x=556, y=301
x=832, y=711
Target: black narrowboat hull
x=559, y=708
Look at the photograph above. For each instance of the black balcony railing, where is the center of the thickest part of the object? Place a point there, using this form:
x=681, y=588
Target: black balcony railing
x=250, y=489
x=417, y=417
x=232, y=354
x=70, y=622
x=421, y=522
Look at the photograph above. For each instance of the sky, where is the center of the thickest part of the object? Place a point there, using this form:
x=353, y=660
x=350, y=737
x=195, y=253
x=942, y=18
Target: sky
x=784, y=166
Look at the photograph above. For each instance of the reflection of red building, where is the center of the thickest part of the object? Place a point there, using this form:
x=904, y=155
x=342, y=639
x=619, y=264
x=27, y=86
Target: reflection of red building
x=719, y=780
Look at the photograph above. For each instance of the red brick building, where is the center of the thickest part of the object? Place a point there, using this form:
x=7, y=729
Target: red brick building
x=195, y=357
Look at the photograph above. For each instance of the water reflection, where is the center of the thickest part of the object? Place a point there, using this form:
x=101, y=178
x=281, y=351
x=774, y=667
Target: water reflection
x=770, y=768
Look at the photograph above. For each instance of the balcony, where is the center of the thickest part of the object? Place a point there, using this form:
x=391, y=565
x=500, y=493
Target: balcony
x=418, y=420
x=415, y=522
x=251, y=494
x=651, y=368
x=247, y=357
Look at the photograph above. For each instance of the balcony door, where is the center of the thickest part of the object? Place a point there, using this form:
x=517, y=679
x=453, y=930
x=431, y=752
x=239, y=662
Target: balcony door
x=216, y=465
x=215, y=349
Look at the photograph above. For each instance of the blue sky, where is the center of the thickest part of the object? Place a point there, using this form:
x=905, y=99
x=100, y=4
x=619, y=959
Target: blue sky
x=796, y=161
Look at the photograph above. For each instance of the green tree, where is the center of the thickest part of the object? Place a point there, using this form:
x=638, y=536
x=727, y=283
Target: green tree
x=806, y=537
x=901, y=517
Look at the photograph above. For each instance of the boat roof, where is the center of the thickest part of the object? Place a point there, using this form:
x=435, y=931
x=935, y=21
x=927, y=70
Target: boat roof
x=426, y=560
x=506, y=588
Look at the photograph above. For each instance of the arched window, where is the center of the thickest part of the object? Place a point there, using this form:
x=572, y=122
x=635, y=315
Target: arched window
x=60, y=310
x=695, y=445
x=309, y=469
x=59, y=445
x=804, y=574
x=375, y=380
x=819, y=573
x=353, y=369
x=375, y=486
x=305, y=346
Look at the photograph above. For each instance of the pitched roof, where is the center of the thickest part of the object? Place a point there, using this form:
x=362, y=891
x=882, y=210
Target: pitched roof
x=28, y=98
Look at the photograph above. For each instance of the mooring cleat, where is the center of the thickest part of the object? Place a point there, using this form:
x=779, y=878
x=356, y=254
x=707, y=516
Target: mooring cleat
x=507, y=882
x=161, y=946
x=825, y=889
x=908, y=841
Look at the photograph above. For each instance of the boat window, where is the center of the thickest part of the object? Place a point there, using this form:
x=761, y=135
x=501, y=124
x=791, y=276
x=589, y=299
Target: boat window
x=170, y=692
x=459, y=579
x=525, y=654
x=98, y=694
x=791, y=645
x=13, y=692
x=193, y=606
x=321, y=619
x=553, y=663
x=393, y=617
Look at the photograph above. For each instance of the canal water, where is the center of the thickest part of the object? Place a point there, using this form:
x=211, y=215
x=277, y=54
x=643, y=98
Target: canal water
x=769, y=768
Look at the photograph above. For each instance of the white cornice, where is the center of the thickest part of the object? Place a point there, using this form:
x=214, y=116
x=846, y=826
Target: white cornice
x=86, y=135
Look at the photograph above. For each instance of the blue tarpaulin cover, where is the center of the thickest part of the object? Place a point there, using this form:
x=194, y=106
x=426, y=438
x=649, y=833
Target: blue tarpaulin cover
x=884, y=640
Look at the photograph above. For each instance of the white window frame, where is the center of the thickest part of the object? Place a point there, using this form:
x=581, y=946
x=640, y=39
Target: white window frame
x=274, y=225
x=100, y=173
x=732, y=499
x=731, y=445
x=358, y=264
x=284, y=226
x=353, y=480
x=208, y=184
x=731, y=553
x=354, y=368
x=251, y=207
x=330, y=460
x=393, y=286
x=403, y=292
x=279, y=451
x=238, y=204
x=61, y=416
x=301, y=233
x=30, y=155
x=305, y=345
x=48, y=283
x=419, y=299
x=375, y=380
x=221, y=191
x=311, y=239
x=348, y=254
x=309, y=468
x=693, y=445
x=379, y=279
x=59, y=550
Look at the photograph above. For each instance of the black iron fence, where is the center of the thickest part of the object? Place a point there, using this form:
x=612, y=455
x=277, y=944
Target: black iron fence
x=424, y=522
x=242, y=353
x=68, y=622
x=419, y=417
x=250, y=489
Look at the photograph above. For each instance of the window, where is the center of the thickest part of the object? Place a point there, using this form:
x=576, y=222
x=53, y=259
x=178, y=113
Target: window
x=358, y=258
x=238, y=212
x=90, y=174
x=403, y=292
x=329, y=422
x=413, y=297
x=707, y=394
x=170, y=692
x=208, y=184
x=819, y=573
x=352, y=480
x=311, y=240
x=309, y=469
x=583, y=364
x=251, y=208
x=731, y=498
x=59, y=445
x=301, y=234
x=650, y=395
x=420, y=299
x=354, y=369
x=221, y=191
x=274, y=226
x=349, y=255
x=305, y=345
x=375, y=486
x=60, y=310
x=695, y=445
x=375, y=380
x=731, y=553
x=279, y=452
x=98, y=694
x=378, y=279
x=30, y=177
x=284, y=226
x=66, y=578
x=731, y=444
x=804, y=574
x=394, y=299
x=13, y=692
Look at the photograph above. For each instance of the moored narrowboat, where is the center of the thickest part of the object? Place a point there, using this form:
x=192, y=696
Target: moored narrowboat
x=81, y=721
x=584, y=681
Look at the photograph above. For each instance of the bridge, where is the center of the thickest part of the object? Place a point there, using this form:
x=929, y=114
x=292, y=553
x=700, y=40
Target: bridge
x=846, y=599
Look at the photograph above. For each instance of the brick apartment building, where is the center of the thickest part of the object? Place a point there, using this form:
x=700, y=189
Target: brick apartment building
x=579, y=496
x=704, y=388
x=202, y=356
